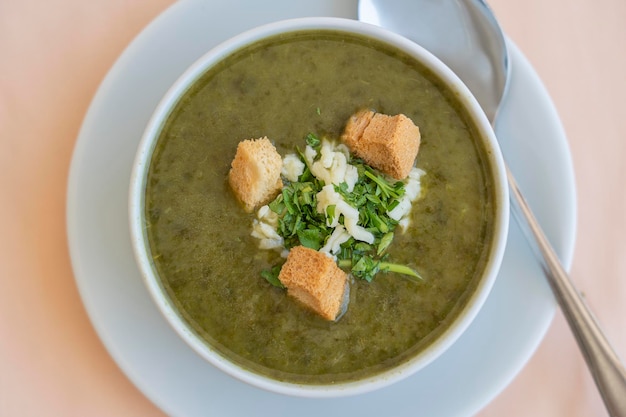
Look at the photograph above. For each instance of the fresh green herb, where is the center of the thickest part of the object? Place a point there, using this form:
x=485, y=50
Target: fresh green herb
x=312, y=238
x=384, y=243
x=386, y=189
x=330, y=212
x=373, y=195
x=313, y=141
x=400, y=269
x=366, y=267
x=271, y=276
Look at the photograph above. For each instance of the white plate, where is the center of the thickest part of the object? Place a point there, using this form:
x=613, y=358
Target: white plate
x=469, y=375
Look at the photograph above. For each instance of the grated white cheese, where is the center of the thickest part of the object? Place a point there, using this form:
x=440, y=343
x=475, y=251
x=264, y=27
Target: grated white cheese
x=292, y=168
x=333, y=168
x=329, y=197
x=358, y=232
x=333, y=244
x=412, y=191
x=264, y=228
x=310, y=154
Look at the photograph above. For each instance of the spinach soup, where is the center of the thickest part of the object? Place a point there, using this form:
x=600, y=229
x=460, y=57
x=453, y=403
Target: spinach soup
x=200, y=239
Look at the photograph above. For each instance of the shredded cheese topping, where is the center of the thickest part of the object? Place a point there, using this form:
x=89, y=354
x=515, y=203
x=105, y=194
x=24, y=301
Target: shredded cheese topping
x=331, y=166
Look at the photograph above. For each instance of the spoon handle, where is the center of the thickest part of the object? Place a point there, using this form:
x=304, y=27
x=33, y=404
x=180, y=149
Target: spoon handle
x=604, y=364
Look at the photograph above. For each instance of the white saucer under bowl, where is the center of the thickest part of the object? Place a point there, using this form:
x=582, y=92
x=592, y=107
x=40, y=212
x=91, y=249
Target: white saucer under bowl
x=460, y=382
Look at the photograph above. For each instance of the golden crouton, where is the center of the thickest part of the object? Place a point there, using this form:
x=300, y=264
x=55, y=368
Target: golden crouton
x=355, y=127
x=387, y=143
x=255, y=173
x=315, y=280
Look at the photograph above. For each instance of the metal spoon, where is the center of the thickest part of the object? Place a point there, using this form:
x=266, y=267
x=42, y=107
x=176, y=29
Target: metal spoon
x=466, y=36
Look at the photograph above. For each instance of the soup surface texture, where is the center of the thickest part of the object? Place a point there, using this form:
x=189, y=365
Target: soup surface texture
x=285, y=88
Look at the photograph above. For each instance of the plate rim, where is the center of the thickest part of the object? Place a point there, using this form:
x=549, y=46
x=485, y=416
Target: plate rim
x=73, y=198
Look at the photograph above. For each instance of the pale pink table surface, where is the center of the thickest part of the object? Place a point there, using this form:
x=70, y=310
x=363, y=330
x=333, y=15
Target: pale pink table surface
x=53, y=55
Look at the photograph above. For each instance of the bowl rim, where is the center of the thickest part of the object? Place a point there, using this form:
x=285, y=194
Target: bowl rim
x=136, y=204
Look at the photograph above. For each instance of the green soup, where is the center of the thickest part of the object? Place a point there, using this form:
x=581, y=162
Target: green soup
x=285, y=88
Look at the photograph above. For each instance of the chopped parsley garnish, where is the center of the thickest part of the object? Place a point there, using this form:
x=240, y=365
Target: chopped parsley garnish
x=271, y=276
x=313, y=141
x=373, y=195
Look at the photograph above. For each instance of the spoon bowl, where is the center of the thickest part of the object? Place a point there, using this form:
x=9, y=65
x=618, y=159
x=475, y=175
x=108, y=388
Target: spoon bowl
x=464, y=35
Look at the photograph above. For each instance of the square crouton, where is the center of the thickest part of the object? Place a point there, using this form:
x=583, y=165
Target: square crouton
x=387, y=143
x=355, y=127
x=315, y=280
x=255, y=173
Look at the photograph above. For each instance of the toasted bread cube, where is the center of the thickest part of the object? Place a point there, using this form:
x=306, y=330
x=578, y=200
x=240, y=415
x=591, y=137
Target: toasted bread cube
x=355, y=127
x=254, y=173
x=315, y=280
x=387, y=143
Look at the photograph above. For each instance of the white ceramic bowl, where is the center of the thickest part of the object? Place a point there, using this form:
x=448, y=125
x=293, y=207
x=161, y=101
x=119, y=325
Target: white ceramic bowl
x=137, y=196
